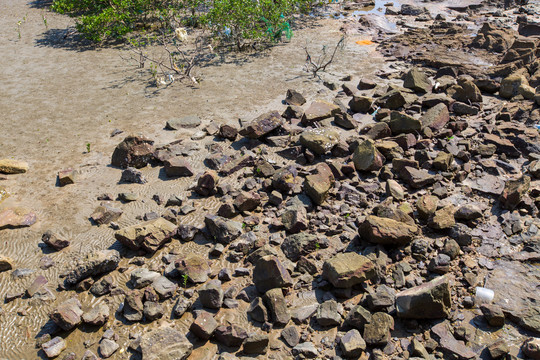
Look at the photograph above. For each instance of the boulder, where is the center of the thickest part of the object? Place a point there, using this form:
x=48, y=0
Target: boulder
x=231, y=335
x=294, y=218
x=257, y=310
x=148, y=236
x=133, y=305
x=360, y=104
x=11, y=166
x=417, y=80
x=93, y=264
x=513, y=85
x=430, y=300
x=133, y=151
x=443, y=218
x=320, y=140
x=297, y=245
x=450, y=347
x=466, y=91
x=68, y=314
x=345, y=270
x=269, y=273
x=211, y=295
x=416, y=178
x=206, y=184
x=366, y=157
x=165, y=343
x=387, y=231
x=328, y=314
x=262, y=125
x=256, y=344
x=247, y=201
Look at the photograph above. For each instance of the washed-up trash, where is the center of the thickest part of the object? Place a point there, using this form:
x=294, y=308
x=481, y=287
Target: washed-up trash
x=484, y=295
x=364, y=42
x=277, y=31
x=181, y=34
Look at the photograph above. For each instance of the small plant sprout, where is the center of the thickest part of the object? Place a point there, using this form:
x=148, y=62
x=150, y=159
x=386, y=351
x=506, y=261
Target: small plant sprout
x=347, y=215
x=19, y=28
x=317, y=246
x=244, y=225
x=88, y=147
x=184, y=280
x=44, y=21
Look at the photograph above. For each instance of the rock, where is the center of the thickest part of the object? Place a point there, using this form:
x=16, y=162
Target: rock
x=443, y=161
x=262, y=125
x=294, y=98
x=165, y=343
x=185, y=122
x=257, y=310
x=37, y=285
x=416, y=178
x=11, y=218
x=93, y=264
x=396, y=98
x=133, y=305
x=417, y=80
x=228, y=132
x=105, y=214
x=89, y=355
x=54, y=240
x=133, y=151
x=141, y=277
x=460, y=108
x=103, y=286
x=468, y=212
x=514, y=191
x=294, y=218
x=211, y=295
x=319, y=184
x=358, y=317
x=383, y=298
x=427, y=301
x=206, y=184
x=386, y=231
x=194, y=267
x=498, y=349
x=66, y=177
x=436, y=117
x=377, y=331
x=466, y=91
x=379, y=131
x=493, y=315
x=306, y=350
x=133, y=176
x=291, y=336
x=256, y=344
x=449, y=344
x=352, y=344
x=148, y=236
x=534, y=169
x=237, y=163
x=277, y=308
x=327, y=314
x=178, y=167
x=320, y=140
x=231, y=335
x=247, y=201
x=443, y=218
x=181, y=306
x=401, y=123
x=360, y=104
x=269, y=273
x=54, y=347
x=531, y=348
x=346, y=121
x=512, y=85
x=297, y=245
x=10, y=166
x=223, y=230
x=68, y=314
x=302, y=314
x=97, y=315
x=319, y=110
x=345, y=270
x=164, y=287
x=366, y=157
x=394, y=190
x=204, y=325
x=107, y=347
x=493, y=38
x=152, y=310
x=6, y=263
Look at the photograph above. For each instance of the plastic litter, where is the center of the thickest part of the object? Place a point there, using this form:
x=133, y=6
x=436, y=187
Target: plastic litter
x=484, y=295
x=277, y=32
x=364, y=42
x=374, y=115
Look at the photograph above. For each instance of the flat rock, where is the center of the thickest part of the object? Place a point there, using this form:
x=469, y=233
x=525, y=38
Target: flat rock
x=387, y=231
x=345, y=270
x=486, y=183
x=262, y=125
x=320, y=140
x=436, y=117
x=223, y=230
x=449, y=344
x=93, y=264
x=148, y=236
x=54, y=240
x=165, y=343
x=185, y=122
x=68, y=314
x=427, y=301
x=319, y=110
x=417, y=80
x=401, y=123
x=54, y=347
x=194, y=267
x=11, y=218
x=10, y=166
x=105, y=213
x=97, y=315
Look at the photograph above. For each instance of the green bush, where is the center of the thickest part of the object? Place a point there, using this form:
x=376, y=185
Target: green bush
x=101, y=20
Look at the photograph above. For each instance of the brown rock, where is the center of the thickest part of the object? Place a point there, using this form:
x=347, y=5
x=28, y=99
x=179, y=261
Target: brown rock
x=133, y=151
x=386, y=231
x=16, y=217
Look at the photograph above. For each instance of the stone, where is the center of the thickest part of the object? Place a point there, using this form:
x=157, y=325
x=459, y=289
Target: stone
x=178, y=167
x=165, y=343
x=247, y=201
x=531, y=348
x=231, y=335
x=11, y=218
x=443, y=161
x=358, y=317
x=133, y=151
x=204, y=325
x=206, y=184
x=430, y=300
x=449, y=344
x=466, y=91
x=269, y=273
x=107, y=348
x=105, y=214
x=257, y=310
x=294, y=218
x=93, y=264
x=387, y=231
x=443, y=218
x=318, y=185
x=379, y=131
x=504, y=146
x=262, y=125
x=228, y=132
x=277, y=307
x=417, y=80
x=294, y=98
x=305, y=350
x=103, y=286
x=54, y=240
x=89, y=355
x=223, y=230
x=66, y=177
x=460, y=108
x=493, y=38
x=68, y=314
x=394, y=190
x=302, y=314
x=383, y=298
x=4, y=194
x=290, y=336
x=132, y=176
x=11, y=166
x=346, y=121
x=211, y=295
x=37, y=285
x=416, y=178
x=377, y=331
x=510, y=86
x=514, y=191
x=133, y=305
x=493, y=314
x=164, y=287
x=152, y=310
x=352, y=344
x=327, y=314
x=319, y=110
x=142, y=277
x=185, y=122
x=6, y=263
x=360, y=104
x=297, y=245
x=285, y=179
x=181, y=307
x=54, y=347
x=148, y=236
x=401, y=123
x=498, y=349
x=320, y=140
x=256, y=344
x=345, y=270
x=194, y=267
x=97, y=315
x=396, y=99
x=366, y=157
